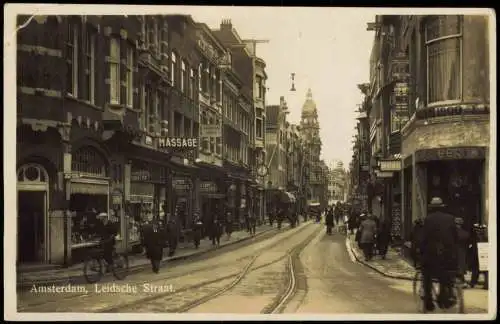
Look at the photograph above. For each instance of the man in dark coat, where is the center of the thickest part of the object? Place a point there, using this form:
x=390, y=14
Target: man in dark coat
x=439, y=254
x=172, y=235
x=416, y=242
x=107, y=231
x=329, y=221
x=463, y=238
x=216, y=231
x=383, y=237
x=154, y=237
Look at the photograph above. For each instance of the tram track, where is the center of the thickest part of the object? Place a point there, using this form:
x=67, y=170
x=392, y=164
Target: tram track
x=238, y=277
x=87, y=297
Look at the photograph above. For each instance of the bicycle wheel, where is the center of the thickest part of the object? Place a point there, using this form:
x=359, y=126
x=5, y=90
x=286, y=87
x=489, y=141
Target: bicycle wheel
x=418, y=291
x=120, y=266
x=92, y=269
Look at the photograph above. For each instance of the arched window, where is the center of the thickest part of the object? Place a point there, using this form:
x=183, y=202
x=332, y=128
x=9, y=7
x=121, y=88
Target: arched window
x=34, y=173
x=88, y=161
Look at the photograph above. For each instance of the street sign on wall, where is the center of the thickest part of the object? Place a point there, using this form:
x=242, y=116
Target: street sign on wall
x=210, y=130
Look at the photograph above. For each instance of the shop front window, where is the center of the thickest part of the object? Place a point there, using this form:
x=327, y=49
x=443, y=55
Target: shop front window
x=88, y=200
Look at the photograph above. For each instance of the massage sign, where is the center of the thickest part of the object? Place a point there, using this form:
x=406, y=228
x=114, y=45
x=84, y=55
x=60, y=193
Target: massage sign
x=178, y=143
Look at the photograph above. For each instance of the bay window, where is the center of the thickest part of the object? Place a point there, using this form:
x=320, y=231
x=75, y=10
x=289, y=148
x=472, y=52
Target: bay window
x=72, y=60
x=443, y=39
x=90, y=65
x=114, y=73
x=130, y=76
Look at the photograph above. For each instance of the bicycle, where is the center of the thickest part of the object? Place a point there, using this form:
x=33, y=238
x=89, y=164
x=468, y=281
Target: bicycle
x=418, y=292
x=95, y=264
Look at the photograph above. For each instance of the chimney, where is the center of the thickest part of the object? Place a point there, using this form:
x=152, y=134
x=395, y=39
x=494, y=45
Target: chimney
x=226, y=24
x=282, y=101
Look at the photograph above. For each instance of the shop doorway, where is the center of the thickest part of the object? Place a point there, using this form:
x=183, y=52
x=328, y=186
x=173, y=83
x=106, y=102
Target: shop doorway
x=32, y=197
x=458, y=183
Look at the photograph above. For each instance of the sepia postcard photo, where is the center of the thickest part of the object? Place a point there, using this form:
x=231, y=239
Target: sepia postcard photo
x=249, y=163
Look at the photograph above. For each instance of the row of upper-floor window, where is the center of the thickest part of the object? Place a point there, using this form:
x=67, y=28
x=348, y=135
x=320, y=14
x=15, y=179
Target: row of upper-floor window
x=122, y=61
x=233, y=111
x=435, y=67
x=237, y=153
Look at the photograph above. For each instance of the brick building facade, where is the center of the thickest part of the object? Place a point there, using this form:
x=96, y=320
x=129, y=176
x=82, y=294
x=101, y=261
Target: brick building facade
x=108, y=121
x=434, y=101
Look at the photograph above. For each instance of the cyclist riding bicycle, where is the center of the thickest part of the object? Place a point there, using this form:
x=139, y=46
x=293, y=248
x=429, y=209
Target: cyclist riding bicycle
x=439, y=246
x=107, y=232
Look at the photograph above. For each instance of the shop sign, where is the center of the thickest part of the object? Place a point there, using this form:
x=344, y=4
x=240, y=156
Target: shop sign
x=382, y=174
x=400, y=66
x=450, y=153
x=482, y=254
x=140, y=175
x=210, y=131
x=178, y=142
x=208, y=187
x=390, y=165
x=181, y=184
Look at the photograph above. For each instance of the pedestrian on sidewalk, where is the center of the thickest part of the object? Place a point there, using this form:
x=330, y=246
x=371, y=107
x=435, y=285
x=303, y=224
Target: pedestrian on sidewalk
x=368, y=229
x=153, y=242
x=197, y=229
x=228, y=222
x=463, y=238
x=172, y=235
x=383, y=238
x=253, y=223
x=416, y=241
x=216, y=231
x=329, y=221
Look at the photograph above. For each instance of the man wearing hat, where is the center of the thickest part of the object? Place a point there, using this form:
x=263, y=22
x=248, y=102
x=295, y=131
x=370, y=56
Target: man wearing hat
x=439, y=247
x=107, y=232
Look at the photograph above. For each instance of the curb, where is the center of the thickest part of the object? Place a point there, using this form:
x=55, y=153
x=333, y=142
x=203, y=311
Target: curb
x=140, y=267
x=373, y=267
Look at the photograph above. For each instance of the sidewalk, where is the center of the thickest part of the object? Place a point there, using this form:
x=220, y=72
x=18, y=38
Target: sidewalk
x=393, y=266
x=137, y=262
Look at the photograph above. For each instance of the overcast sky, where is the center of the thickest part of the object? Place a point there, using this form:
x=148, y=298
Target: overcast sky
x=328, y=49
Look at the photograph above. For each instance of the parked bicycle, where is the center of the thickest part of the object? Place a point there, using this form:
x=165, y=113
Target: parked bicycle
x=456, y=291
x=95, y=265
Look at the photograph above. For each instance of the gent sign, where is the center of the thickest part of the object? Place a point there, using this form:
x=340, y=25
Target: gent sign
x=178, y=142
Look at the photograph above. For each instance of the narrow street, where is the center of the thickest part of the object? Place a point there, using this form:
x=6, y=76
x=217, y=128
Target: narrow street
x=250, y=279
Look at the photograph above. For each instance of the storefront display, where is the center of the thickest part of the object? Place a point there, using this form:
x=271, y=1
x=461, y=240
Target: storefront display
x=84, y=223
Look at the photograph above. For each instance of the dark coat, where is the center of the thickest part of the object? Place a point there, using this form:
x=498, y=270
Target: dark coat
x=463, y=239
x=439, y=242
x=154, y=238
x=329, y=218
x=416, y=241
x=368, y=229
x=384, y=234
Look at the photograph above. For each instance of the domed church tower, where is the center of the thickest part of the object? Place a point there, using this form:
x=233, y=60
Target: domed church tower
x=312, y=148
